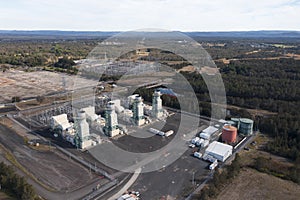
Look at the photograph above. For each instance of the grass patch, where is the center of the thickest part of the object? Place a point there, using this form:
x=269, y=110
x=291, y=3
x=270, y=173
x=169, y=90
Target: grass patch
x=10, y=157
x=4, y=196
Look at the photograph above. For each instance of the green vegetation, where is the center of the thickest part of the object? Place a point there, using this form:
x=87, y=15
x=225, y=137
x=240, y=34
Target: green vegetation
x=273, y=85
x=43, y=52
x=15, y=185
x=269, y=166
x=220, y=179
x=15, y=99
x=66, y=65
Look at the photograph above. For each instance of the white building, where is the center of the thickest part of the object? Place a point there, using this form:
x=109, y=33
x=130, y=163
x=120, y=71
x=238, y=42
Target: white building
x=60, y=122
x=91, y=115
x=130, y=100
x=206, y=133
x=117, y=104
x=219, y=151
x=148, y=110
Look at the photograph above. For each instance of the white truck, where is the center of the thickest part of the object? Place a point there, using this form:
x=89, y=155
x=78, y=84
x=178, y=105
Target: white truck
x=157, y=132
x=213, y=165
x=195, y=140
x=209, y=158
x=198, y=155
x=169, y=133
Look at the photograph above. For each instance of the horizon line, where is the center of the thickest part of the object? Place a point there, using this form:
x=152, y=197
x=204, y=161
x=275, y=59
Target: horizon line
x=158, y=30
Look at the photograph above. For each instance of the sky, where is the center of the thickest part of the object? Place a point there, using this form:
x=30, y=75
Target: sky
x=126, y=15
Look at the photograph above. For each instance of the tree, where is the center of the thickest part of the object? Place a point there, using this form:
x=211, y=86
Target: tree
x=15, y=99
x=40, y=99
x=15, y=184
x=64, y=63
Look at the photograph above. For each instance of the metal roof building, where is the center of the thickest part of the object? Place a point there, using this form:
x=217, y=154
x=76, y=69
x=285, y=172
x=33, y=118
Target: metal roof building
x=206, y=133
x=60, y=121
x=219, y=150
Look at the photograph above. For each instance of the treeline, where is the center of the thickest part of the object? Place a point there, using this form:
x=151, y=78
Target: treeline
x=245, y=48
x=43, y=52
x=269, y=166
x=283, y=68
x=15, y=185
x=285, y=129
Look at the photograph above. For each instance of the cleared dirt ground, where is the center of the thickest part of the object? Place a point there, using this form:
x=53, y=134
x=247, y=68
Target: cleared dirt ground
x=31, y=84
x=51, y=167
x=251, y=184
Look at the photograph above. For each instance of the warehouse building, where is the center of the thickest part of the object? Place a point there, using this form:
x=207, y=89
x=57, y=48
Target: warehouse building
x=206, y=133
x=219, y=150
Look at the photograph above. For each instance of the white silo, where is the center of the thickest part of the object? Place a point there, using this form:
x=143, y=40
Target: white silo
x=157, y=110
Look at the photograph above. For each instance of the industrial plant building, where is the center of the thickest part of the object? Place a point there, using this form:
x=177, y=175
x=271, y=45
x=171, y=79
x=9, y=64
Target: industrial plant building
x=77, y=134
x=60, y=122
x=82, y=128
x=91, y=115
x=111, y=127
x=219, y=151
x=138, y=111
x=157, y=110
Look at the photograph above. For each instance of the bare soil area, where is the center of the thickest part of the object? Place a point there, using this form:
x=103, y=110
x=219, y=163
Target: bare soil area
x=251, y=184
x=31, y=84
x=50, y=167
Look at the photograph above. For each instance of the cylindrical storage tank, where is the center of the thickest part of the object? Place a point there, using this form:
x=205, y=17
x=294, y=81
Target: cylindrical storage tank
x=236, y=122
x=246, y=126
x=231, y=123
x=229, y=134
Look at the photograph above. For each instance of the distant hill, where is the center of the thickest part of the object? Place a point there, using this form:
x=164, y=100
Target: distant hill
x=252, y=34
x=93, y=34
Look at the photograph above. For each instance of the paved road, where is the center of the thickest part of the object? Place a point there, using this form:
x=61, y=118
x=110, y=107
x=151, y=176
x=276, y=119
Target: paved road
x=127, y=185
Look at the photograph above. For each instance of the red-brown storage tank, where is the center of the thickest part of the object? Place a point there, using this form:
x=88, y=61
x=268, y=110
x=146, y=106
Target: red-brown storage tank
x=229, y=134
